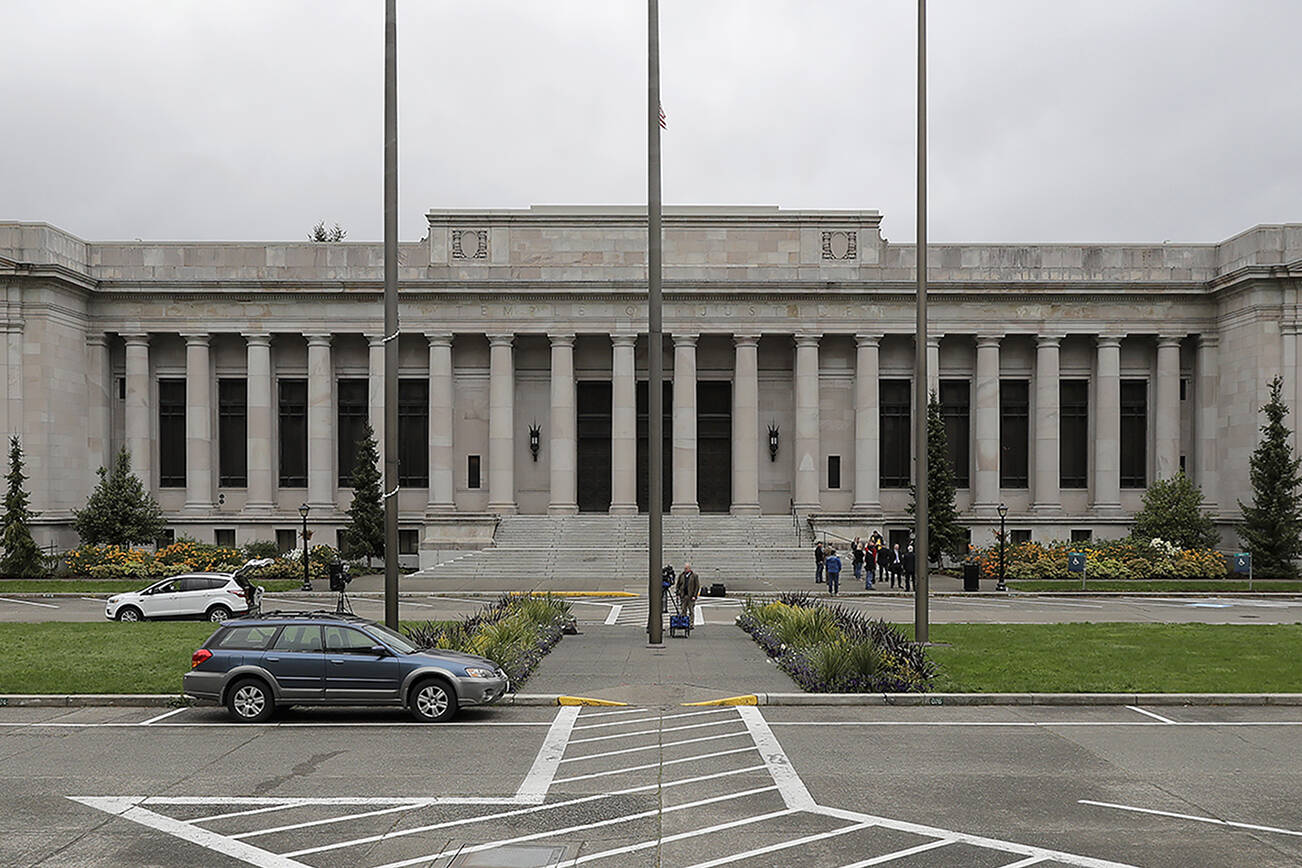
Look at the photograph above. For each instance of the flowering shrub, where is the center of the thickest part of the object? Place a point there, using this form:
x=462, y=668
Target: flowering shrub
x=1104, y=559
x=515, y=632
x=830, y=649
x=188, y=556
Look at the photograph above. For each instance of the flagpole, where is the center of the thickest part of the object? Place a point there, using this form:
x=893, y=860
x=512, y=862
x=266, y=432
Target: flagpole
x=655, y=340
x=921, y=632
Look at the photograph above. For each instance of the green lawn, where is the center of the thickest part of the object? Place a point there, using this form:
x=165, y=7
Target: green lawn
x=1206, y=586
x=1117, y=658
x=111, y=586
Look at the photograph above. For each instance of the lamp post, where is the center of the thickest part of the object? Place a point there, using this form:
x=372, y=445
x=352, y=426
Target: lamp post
x=307, y=580
x=1003, y=511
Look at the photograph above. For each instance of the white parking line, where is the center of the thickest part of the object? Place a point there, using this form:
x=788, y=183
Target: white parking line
x=1023, y=863
x=613, y=616
x=28, y=603
x=539, y=779
x=1151, y=714
x=921, y=848
x=647, y=845
x=793, y=790
x=164, y=715
x=784, y=845
x=652, y=719
x=656, y=765
x=593, y=714
x=1214, y=821
x=592, y=756
x=343, y=818
x=652, y=731
x=251, y=811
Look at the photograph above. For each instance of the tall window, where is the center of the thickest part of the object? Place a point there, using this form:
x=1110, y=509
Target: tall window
x=293, y=433
x=955, y=407
x=895, y=450
x=1134, y=433
x=232, y=432
x=171, y=433
x=353, y=414
x=413, y=432
x=472, y=471
x=834, y=471
x=1074, y=433
x=1014, y=429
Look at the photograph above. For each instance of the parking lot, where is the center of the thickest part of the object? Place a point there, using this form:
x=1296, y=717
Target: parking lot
x=673, y=787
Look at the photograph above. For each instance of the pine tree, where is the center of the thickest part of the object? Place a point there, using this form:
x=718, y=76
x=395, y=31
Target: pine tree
x=21, y=557
x=944, y=533
x=1172, y=511
x=365, y=531
x=1272, y=527
x=120, y=511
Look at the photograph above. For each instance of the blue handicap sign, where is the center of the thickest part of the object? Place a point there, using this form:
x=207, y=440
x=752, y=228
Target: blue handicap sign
x=1243, y=562
x=1075, y=562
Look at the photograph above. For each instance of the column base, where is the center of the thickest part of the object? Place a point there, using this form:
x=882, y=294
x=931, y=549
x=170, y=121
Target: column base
x=503, y=508
x=197, y=507
x=433, y=509
x=1106, y=509
x=745, y=509
x=1046, y=508
x=684, y=509
x=871, y=508
x=563, y=509
x=623, y=509
x=258, y=508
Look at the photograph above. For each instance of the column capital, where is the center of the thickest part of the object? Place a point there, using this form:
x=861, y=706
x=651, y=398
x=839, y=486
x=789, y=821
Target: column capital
x=134, y=338
x=933, y=340
x=808, y=340
x=685, y=340
x=96, y=339
x=498, y=339
x=746, y=339
x=624, y=340
x=988, y=341
x=439, y=339
x=319, y=339
x=1053, y=341
x=257, y=339
x=374, y=341
x=1169, y=340
x=1209, y=340
x=1108, y=340
x=867, y=339
x=562, y=339
x=196, y=339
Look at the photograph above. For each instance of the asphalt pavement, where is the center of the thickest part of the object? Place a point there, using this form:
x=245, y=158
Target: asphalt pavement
x=662, y=786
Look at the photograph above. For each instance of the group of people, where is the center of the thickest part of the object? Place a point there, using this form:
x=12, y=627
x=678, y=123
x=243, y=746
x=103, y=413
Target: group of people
x=873, y=561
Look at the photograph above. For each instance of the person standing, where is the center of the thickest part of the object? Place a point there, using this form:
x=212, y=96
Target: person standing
x=869, y=566
x=818, y=563
x=857, y=558
x=894, y=565
x=833, y=565
x=688, y=589
x=908, y=561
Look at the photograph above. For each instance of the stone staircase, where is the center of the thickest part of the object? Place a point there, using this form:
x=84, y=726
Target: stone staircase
x=552, y=548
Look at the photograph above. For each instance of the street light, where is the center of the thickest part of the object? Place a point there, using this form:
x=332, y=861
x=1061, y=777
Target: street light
x=1003, y=511
x=307, y=579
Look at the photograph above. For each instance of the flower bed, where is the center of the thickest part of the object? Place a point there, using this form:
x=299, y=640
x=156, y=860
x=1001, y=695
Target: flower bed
x=1104, y=559
x=515, y=632
x=831, y=649
x=188, y=556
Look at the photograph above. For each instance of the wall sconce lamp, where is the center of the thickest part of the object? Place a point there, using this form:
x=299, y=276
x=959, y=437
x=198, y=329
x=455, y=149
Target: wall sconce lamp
x=773, y=442
x=535, y=440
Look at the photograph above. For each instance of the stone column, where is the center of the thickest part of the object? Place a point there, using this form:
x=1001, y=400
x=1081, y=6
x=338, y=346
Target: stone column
x=501, y=423
x=375, y=393
x=623, y=426
x=985, y=482
x=563, y=439
x=745, y=426
x=933, y=366
x=137, y=422
x=867, y=425
x=1107, y=425
x=807, y=451
x=441, y=415
x=321, y=480
x=261, y=410
x=1166, y=413
x=1046, y=428
x=1207, y=420
x=198, y=424
x=97, y=403
x=684, y=425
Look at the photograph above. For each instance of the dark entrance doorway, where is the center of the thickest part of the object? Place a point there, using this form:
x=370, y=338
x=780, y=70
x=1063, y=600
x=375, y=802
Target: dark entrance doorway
x=714, y=445
x=643, y=451
x=594, y=404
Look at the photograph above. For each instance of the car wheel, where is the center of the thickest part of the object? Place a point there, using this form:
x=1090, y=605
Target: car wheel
x=249, y=701
x=432, y=701
x=130, y=614
x=217, y=614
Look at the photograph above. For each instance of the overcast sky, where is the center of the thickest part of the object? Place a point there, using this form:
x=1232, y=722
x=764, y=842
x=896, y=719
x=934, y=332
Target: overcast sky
x=1094, y=120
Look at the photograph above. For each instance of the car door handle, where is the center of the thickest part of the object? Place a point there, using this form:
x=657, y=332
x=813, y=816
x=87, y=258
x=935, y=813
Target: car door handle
x=272, y=659
x=340, y=662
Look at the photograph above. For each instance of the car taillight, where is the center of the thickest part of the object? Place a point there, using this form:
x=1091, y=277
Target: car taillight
x=235, y=591
x=199, y=656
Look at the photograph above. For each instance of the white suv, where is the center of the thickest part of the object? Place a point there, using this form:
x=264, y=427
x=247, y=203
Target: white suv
x=214, y=596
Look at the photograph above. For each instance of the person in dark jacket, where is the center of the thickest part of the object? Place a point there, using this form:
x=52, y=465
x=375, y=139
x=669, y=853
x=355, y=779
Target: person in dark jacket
x=856, y=556
x=818, y=563
x=908, y=560
x=894, y=566
x=869, y=566
x=833, y=564
x=688, y=589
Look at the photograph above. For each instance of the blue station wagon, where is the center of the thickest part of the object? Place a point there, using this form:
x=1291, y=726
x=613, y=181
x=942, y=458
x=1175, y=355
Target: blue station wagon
x=254, y=665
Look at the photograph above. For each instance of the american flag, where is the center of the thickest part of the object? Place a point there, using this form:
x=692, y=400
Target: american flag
x=663, y=125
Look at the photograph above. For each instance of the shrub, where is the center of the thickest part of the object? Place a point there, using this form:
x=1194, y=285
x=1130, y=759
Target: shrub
x=1129, y=558
x=260, y=548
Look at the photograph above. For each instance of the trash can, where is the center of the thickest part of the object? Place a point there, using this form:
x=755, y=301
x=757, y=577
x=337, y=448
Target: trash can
x=971, y=576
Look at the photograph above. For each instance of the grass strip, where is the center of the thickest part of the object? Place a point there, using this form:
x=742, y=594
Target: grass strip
x=1116, y=658
x=112, y=586
x=1168, y=586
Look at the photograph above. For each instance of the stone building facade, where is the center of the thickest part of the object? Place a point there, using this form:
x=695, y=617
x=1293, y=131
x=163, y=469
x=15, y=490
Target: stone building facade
x=237, y=374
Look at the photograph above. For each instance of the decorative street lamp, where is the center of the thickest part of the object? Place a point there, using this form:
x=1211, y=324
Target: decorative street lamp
x=307, y=579
x=1003, y=511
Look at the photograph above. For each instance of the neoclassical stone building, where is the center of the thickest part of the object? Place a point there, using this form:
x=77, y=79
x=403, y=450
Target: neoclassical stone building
x=238, y=375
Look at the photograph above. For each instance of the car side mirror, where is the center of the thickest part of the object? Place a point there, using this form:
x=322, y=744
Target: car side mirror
x=379, y=651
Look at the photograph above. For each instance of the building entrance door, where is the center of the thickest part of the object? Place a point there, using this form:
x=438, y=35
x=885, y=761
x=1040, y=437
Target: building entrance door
x=714, y=445
x=643, y=450
x=594, y=406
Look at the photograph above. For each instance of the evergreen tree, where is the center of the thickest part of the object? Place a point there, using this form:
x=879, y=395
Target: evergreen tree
x=321, y=233
x=365, y=531
x=944, y=533
x=21, y=557
x=1172, y=511
x=120, y=511
x=1272, y=526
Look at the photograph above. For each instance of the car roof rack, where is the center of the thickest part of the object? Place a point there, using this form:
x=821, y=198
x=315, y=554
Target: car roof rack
x=314, y=613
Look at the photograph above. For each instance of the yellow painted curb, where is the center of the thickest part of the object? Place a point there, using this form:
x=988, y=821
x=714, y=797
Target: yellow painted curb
x=748, y=699
x=572, y=594
x=585, y=700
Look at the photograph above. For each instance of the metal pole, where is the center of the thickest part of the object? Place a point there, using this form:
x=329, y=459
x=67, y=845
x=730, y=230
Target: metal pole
x=1001, y=586
x=921, y=632
x=655, y=349
x=391, y=314
x=307, y=577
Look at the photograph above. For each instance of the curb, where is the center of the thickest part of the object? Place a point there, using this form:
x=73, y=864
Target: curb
x=90, y=700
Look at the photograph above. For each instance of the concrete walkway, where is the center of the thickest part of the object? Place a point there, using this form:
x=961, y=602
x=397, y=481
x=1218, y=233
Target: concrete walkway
x=611, y=662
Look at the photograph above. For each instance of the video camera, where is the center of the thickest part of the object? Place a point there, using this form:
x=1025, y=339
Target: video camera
x=339, y=577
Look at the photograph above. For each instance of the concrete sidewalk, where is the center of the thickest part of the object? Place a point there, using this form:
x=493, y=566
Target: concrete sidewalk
x=611, y=662
x=736, y=585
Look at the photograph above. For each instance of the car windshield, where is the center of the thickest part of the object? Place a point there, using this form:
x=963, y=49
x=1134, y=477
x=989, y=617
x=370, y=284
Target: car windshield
x=395, y=640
